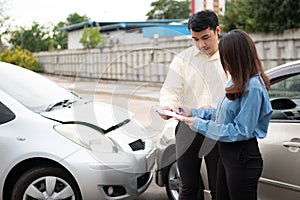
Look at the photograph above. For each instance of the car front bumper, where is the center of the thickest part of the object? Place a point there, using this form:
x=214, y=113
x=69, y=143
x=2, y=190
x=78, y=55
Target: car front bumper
x=116, y=176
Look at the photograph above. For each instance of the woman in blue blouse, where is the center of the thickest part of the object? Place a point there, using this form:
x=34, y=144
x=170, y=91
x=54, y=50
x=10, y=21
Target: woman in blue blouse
x=242, y=116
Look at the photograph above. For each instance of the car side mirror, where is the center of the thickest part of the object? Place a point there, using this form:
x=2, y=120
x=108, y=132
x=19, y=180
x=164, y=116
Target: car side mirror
x=283, y=103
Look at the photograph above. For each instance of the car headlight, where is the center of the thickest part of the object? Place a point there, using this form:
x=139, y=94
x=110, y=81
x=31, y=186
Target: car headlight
x=87, y=137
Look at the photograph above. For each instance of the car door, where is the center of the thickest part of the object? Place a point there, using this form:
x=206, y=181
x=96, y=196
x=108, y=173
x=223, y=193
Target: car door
x=281, y=148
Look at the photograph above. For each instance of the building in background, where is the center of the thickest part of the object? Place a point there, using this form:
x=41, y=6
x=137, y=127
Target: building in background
x=128, y=33
x=216, y=5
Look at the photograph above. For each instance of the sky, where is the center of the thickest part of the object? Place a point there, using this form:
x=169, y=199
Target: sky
x=25, y=12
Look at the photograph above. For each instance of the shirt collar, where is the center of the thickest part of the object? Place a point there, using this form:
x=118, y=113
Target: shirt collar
x=213, y=57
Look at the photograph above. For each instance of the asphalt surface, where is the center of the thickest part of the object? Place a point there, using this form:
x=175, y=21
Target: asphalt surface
x=138, y=97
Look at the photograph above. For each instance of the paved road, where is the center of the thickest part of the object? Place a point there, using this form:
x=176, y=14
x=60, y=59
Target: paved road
x=136, y=97
x=154, y=193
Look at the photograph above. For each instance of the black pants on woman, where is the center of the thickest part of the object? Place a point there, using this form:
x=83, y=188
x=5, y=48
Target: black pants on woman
x=240, y=166
x=191, y=147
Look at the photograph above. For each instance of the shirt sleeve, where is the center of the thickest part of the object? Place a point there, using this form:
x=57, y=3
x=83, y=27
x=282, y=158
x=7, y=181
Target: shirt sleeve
x=172, y=89
x=245, y=122
x=203, y=113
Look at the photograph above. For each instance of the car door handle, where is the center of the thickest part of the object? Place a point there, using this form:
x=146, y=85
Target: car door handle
x=291, y=144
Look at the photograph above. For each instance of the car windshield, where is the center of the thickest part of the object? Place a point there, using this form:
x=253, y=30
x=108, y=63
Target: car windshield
x=32, y=89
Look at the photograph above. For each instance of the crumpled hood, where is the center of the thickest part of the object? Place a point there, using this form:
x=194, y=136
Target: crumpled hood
x=115, y=122
x=92, y=112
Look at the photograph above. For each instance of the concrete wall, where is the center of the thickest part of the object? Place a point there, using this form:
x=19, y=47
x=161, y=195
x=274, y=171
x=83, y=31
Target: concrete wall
x=278, y=49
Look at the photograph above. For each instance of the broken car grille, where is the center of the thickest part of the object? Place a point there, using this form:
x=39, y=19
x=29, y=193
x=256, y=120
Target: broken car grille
x=137, y=145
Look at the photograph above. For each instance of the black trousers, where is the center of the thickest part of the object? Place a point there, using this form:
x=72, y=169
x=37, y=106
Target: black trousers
x=239, y=168
x=191, y=147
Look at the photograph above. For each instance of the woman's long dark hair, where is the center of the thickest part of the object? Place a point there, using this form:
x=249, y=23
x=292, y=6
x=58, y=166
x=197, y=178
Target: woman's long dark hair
x=239, y=58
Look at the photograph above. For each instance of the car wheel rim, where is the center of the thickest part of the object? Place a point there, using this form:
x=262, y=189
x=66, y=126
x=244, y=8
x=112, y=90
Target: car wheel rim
x=49, y=188
x=174, y=181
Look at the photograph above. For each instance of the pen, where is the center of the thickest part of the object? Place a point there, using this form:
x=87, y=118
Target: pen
x=182, y=103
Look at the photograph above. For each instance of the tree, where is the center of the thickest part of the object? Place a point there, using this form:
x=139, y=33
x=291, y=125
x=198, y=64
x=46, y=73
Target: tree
x=237, y=15
x=42, y=38
x=34, y=38
x=59, y=39
x=276, y=16
x=169, y=9
x=75, y=18
x=91, y=37
x=3, y=20
x=261, y=15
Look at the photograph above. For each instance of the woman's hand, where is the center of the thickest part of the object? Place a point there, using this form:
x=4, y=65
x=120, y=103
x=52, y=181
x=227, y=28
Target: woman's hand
x=183, y=110
x=188, y=120
x=206, y=106
x=186, y=113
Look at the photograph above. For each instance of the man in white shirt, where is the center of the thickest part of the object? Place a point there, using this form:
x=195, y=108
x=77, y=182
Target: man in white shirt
x=196, y=78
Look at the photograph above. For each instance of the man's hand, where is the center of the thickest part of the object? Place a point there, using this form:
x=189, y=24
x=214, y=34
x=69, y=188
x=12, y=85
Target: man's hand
x=165, y=117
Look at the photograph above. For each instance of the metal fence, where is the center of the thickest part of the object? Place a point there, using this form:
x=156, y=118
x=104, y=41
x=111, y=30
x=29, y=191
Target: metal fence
x=150, y=62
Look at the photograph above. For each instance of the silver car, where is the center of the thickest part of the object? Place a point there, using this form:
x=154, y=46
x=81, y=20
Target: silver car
x=56, y=145
x=280, y=149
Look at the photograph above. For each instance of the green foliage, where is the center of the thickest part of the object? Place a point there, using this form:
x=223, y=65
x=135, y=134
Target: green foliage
x=35, y=38
x=261, y=15
x=91, y=37
x=22, y=58
x=59, y=39
x=75, y=18
x=169, y=9
x=3, y=23
x=237, y=15
x=277, y=15
x=41, y=38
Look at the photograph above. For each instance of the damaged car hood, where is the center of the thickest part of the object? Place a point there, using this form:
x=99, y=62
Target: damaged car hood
x=94, y=113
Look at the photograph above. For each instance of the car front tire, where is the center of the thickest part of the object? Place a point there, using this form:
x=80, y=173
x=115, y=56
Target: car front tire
x=46, y=183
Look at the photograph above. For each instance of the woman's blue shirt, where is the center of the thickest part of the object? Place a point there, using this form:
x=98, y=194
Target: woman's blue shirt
x=244, y=118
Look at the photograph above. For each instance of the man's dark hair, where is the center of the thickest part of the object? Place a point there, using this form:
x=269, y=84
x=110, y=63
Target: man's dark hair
x=202, y=20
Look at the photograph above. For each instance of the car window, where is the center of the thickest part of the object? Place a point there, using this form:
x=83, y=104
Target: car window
x=285, y=98
x=289, y=88
x=6, y=114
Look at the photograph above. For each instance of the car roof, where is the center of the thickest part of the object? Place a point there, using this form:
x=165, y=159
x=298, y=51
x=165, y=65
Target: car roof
x=284, y=70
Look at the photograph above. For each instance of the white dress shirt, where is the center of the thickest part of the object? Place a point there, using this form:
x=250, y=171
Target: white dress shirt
x=194, y=76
